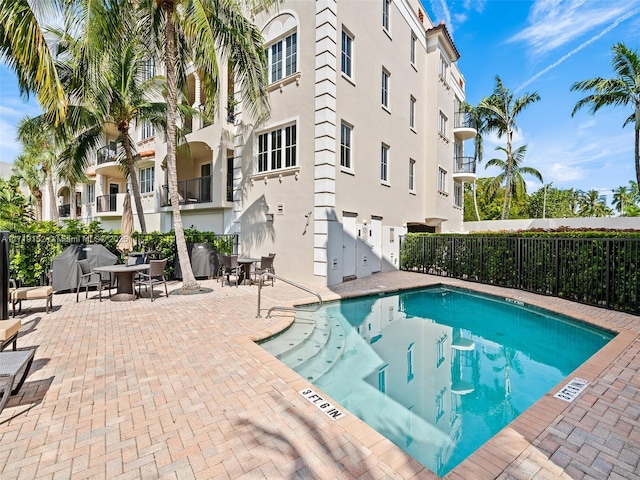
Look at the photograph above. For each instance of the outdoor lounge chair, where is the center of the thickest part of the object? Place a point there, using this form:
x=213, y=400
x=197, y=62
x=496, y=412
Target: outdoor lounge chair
x=11, y=363
x=154, y=277
x=89, y=278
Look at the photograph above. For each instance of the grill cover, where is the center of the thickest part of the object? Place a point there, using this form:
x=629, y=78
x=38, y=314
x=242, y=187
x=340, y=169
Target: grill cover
x=64, y=271
x=204, y=261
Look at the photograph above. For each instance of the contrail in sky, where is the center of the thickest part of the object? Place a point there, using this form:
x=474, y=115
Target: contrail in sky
x=577, y=49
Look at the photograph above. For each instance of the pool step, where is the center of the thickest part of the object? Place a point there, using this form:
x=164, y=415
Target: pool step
x=317, y=365
x=312, y=344
x=297, y=333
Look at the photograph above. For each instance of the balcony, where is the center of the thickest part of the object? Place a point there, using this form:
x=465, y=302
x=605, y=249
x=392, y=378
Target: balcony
x=64, y=211
x=193, y=191
x=464, y=169
x=464, y=126
x=107, y=160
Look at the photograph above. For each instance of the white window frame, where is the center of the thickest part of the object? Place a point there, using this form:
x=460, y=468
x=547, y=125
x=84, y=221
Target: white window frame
x=147, y=179
x=384, y=163
x=413, y=47
x=443, y=68
x=149, y=68
x=443, y=124
x=346, y=146
x=282, y=57
x=346, y=55
x=412, y=112
x=384, y=88
x=442, y=180
x=386, y=15
x=147, y=130
x=412, y=175
x=91, y=192
x=458, y=194
x=277, y=149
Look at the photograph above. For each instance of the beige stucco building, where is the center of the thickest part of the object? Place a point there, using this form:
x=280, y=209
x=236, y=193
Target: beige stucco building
x=364, y=142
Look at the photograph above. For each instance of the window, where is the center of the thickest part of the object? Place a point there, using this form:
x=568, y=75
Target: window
x=146, y=179
x=147, y=131
x=384, y=163
x=275, y=147
x=442, y=124
x=345, y=146
x=440, y=349
x=457, y=194
x=412, y=112
x=414, y=41
x=149, y=69
x=385, y=88
x=443, y=68
x=347, y=53
x=442, y=180
x=282, y=58
x=385, y=14
x=91, y=192
x=412, y=173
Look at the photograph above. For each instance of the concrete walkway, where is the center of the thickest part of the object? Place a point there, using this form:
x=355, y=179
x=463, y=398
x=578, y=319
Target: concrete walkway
x=177, y=389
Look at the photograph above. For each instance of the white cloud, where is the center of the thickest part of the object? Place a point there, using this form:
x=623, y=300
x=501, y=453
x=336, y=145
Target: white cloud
x=555, y=23
x=441, y=11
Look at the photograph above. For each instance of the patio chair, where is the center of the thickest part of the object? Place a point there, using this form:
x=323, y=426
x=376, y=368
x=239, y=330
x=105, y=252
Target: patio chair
x=154, y=277
x=89, y=278
x=265, y=265
x=231, y=267
x=11, y=363
x=219, y=274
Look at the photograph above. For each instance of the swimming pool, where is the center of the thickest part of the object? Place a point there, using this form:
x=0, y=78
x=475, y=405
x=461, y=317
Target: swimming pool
x=438, y=371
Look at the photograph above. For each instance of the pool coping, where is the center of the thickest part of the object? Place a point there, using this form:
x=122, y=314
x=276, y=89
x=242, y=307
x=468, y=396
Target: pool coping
x=503, y=449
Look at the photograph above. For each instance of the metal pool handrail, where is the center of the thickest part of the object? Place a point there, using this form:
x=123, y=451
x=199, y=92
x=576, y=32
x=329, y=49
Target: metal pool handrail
x=283, y=308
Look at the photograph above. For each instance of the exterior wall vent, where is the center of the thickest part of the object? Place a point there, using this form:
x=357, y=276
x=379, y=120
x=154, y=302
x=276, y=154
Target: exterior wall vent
x=280, y=209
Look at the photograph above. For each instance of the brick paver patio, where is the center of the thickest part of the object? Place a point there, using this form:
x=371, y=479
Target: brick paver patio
x=177, y=389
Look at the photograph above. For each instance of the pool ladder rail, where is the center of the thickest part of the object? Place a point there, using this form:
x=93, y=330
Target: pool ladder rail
x=265, y=275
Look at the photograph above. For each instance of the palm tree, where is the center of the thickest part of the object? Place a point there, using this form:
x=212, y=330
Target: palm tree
x=593, y=204
x=26, y=168
x=23, y=46
x=39, y=140
x=623, y=89
x=512, y=176
x=500, y=111
x=119, y=94
x=201, y=32
x=621, y=199
x=480, y=123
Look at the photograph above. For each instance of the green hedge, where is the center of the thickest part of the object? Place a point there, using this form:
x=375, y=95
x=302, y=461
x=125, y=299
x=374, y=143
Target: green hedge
x=597, y=268
x=31, y=253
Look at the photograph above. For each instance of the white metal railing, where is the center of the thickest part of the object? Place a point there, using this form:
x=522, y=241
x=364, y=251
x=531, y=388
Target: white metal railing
x=281, y=307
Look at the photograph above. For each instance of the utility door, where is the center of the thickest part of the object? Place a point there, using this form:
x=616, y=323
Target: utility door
x=349, y=239
x=375, y=239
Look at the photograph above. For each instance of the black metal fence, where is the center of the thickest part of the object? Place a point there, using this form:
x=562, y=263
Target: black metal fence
x=31, y=254
x=596, y=271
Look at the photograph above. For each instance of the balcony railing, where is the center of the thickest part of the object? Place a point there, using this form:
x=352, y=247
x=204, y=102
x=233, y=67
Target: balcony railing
x=465, y=165
x=107, y=203
x=464, y=120
x=107, y=154
x=195, y=190
x=64, y=211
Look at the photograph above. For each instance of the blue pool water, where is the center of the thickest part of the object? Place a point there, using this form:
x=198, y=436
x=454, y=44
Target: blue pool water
x=439, y=371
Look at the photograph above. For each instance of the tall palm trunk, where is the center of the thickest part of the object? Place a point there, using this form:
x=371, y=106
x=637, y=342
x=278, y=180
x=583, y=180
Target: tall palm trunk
x=37, y=196
x=475, y=198
x=52, y=202
x=506, y=204
x=135, y=186
x=637, y=142
x=188, y=279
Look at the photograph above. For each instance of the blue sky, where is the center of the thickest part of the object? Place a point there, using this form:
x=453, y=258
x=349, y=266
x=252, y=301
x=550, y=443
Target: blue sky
x=545, y=46
x=541, y=45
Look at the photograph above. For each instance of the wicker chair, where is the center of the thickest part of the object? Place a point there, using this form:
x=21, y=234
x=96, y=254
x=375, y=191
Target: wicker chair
x=266, y=265
x=89, y=278
x=231, y=267
x=154, y=277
